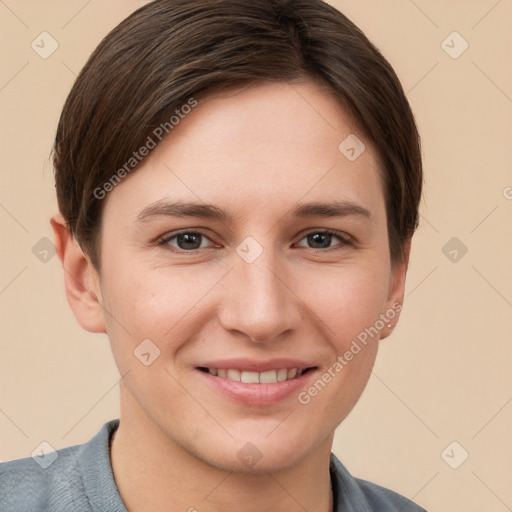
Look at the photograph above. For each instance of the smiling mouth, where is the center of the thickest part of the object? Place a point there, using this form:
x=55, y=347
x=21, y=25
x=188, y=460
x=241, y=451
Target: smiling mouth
x=249, y=377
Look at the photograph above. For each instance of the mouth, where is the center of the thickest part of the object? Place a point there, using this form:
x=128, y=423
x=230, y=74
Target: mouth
x=253, y=377
x=257, y=384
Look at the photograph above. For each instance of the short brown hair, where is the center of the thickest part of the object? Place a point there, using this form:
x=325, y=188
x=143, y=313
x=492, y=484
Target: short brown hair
x=169, y=51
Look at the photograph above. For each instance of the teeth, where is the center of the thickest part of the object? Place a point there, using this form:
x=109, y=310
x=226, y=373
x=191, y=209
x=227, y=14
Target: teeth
x=250, y=377
x=282, y=374
x=233, y=374
x=268, y=377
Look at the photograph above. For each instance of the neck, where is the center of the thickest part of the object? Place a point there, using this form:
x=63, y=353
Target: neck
x=152, y=472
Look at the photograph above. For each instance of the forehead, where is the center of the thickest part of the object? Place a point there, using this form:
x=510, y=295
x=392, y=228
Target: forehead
x=267, y=143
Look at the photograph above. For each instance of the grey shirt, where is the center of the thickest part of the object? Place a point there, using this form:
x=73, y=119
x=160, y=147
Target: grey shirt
x=80, y=479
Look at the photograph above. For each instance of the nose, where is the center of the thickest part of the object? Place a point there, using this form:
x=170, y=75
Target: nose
x=257, y=299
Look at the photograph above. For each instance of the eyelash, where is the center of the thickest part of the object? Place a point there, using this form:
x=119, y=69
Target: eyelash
x=164, y=241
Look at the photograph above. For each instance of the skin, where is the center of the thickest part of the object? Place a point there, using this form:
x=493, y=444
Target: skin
x=256, y=153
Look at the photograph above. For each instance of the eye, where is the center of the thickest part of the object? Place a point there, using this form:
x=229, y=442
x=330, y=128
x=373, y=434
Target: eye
x=185, y=241
x=191, y=241
x=322, y=239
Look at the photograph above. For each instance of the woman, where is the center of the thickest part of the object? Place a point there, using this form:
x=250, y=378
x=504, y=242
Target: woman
x=238, y=184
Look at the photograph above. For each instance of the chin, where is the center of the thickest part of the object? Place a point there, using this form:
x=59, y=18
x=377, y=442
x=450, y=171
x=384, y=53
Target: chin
x=260, y=456
x=263, y=463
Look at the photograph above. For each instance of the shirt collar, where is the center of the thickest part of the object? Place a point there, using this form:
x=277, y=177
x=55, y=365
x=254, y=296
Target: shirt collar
x=347, y=495
x=96, y=471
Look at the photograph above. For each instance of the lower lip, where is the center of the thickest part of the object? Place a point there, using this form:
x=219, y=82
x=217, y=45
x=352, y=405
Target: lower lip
x=257, y=394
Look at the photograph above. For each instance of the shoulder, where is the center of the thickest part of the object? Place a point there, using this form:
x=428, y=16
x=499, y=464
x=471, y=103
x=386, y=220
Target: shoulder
x=50, y=481
x=384, y=499
x=33, y=483
x=356, y=494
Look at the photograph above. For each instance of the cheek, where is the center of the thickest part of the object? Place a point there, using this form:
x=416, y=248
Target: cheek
x=347, y=303
x=347, y=300
x=154, y=303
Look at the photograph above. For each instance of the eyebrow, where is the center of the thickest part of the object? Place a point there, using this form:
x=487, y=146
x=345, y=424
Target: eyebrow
x=209, y=211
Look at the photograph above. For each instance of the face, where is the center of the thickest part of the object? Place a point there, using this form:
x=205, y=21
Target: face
x=256, y=282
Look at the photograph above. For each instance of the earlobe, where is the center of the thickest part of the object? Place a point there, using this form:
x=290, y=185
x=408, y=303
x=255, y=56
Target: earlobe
x=80, y=278
x=396, y=293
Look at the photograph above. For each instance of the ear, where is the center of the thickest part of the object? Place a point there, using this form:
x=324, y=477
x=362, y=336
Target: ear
x=395, y=300
x=80, y=278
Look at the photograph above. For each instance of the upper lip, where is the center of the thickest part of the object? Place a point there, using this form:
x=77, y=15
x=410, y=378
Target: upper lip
x=252, y=365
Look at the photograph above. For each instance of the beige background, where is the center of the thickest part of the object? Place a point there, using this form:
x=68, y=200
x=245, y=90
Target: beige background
x=443, y=376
